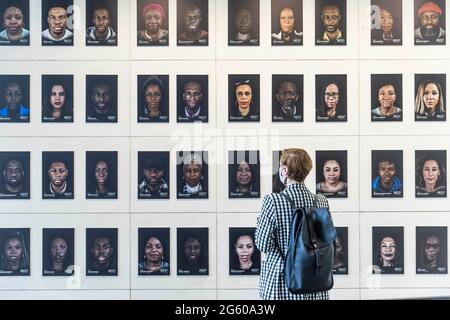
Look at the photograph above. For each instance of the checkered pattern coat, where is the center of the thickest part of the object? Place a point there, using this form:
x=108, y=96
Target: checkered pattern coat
x=272, y=232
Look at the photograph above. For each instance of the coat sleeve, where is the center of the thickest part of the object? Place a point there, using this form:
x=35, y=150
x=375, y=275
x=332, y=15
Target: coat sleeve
x=266, y=226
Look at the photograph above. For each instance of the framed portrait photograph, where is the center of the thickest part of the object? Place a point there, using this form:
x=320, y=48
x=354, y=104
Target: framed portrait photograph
x=192, y=251
x=101, y=252
x=153, y=174
x=386, y=23
x=58, y=175
x=331, y=98
x=152, y=23
x=101, y=22
x=58, y=252
x=287, y=98
x=192, y=23
x=101, y=98
x=430, y=97
x=153, y=98
x=244, y=256
x=287, y=22
x=15, y=175
x=15, y=29
x=341, y=251
x=57, y=98
x=154, y=251
x=387, y=97
x=429, y=22
x=15, y=248
x=243, y=23
x=243, y=98
x=15, y=98
x=431, y=250
x=58, y=22
x=277, y=185
x=243, y=174
x=387, y=173
x=192, y=98
x=387, y=250
x=331, y=22
x=192, y=175
x=431, y=173
x=331, y=173
x=101, y=175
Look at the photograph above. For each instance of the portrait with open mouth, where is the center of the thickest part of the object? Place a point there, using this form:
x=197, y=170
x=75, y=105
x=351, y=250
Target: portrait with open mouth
x=101, y=251
x=387, y=249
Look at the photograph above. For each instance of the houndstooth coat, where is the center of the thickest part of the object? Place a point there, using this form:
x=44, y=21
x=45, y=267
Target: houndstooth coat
x=272, y=232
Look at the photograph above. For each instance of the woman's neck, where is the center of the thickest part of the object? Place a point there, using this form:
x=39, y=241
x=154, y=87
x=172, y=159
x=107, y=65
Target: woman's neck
x=245, y=265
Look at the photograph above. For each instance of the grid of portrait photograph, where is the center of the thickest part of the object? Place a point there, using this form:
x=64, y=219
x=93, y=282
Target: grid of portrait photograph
x=161, y=125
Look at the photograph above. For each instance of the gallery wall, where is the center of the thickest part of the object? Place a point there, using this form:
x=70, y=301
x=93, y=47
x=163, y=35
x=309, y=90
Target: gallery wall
x=359, y=211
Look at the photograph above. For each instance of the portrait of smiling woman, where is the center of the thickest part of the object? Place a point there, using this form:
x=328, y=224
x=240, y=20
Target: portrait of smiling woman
x=386, y=97
x=430, y=97
x=244, y=256
x=57, y=98
x=154, y=251
x=387, y=250
x=244, y=171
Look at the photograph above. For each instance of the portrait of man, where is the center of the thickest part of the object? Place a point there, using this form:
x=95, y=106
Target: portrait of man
x=287, y=22
x=341, y=251
x=431, y=173
x=387, y=250
x=58, y=252
x=192, y=174
x=244, y=256
x=101, y=175
x=386, y=26
x=153, y=98
x=101, y=17
x=153, y=26
x=287, y=98
x=331, y=173
x=430, y=22
x=387, y=173
x=153, y=175
x=331, y=22
x=430, y=102
x=15, y=98
x=431, y=250
x=16, y=23
x=387, y=97
x=243, y=23
x=243, y=174
x=15, y=252
x=192, y=23
x=101, y=98
x=192, y=251
x=192, y=98
x=57, y=173
x=58, y=18
x=154, y=251
x=243, y=98
x=101, y=252
x=15, y=175
x=331, y=98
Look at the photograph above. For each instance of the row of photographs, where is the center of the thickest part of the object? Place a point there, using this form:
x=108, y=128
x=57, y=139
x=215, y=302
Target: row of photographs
x=59, y=22
x=243, y=98
x=154, y=245
x=244, y=174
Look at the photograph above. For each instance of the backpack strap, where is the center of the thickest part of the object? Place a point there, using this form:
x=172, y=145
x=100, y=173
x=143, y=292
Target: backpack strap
x=289, y=199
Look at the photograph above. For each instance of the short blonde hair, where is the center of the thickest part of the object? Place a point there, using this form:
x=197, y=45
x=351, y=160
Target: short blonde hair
x=298, y=163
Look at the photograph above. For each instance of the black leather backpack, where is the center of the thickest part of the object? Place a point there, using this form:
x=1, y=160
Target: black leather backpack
x=309, y=261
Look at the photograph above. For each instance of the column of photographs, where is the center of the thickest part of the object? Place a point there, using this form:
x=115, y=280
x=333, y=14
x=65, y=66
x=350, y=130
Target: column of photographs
x=58, y=23
x=243, y=98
